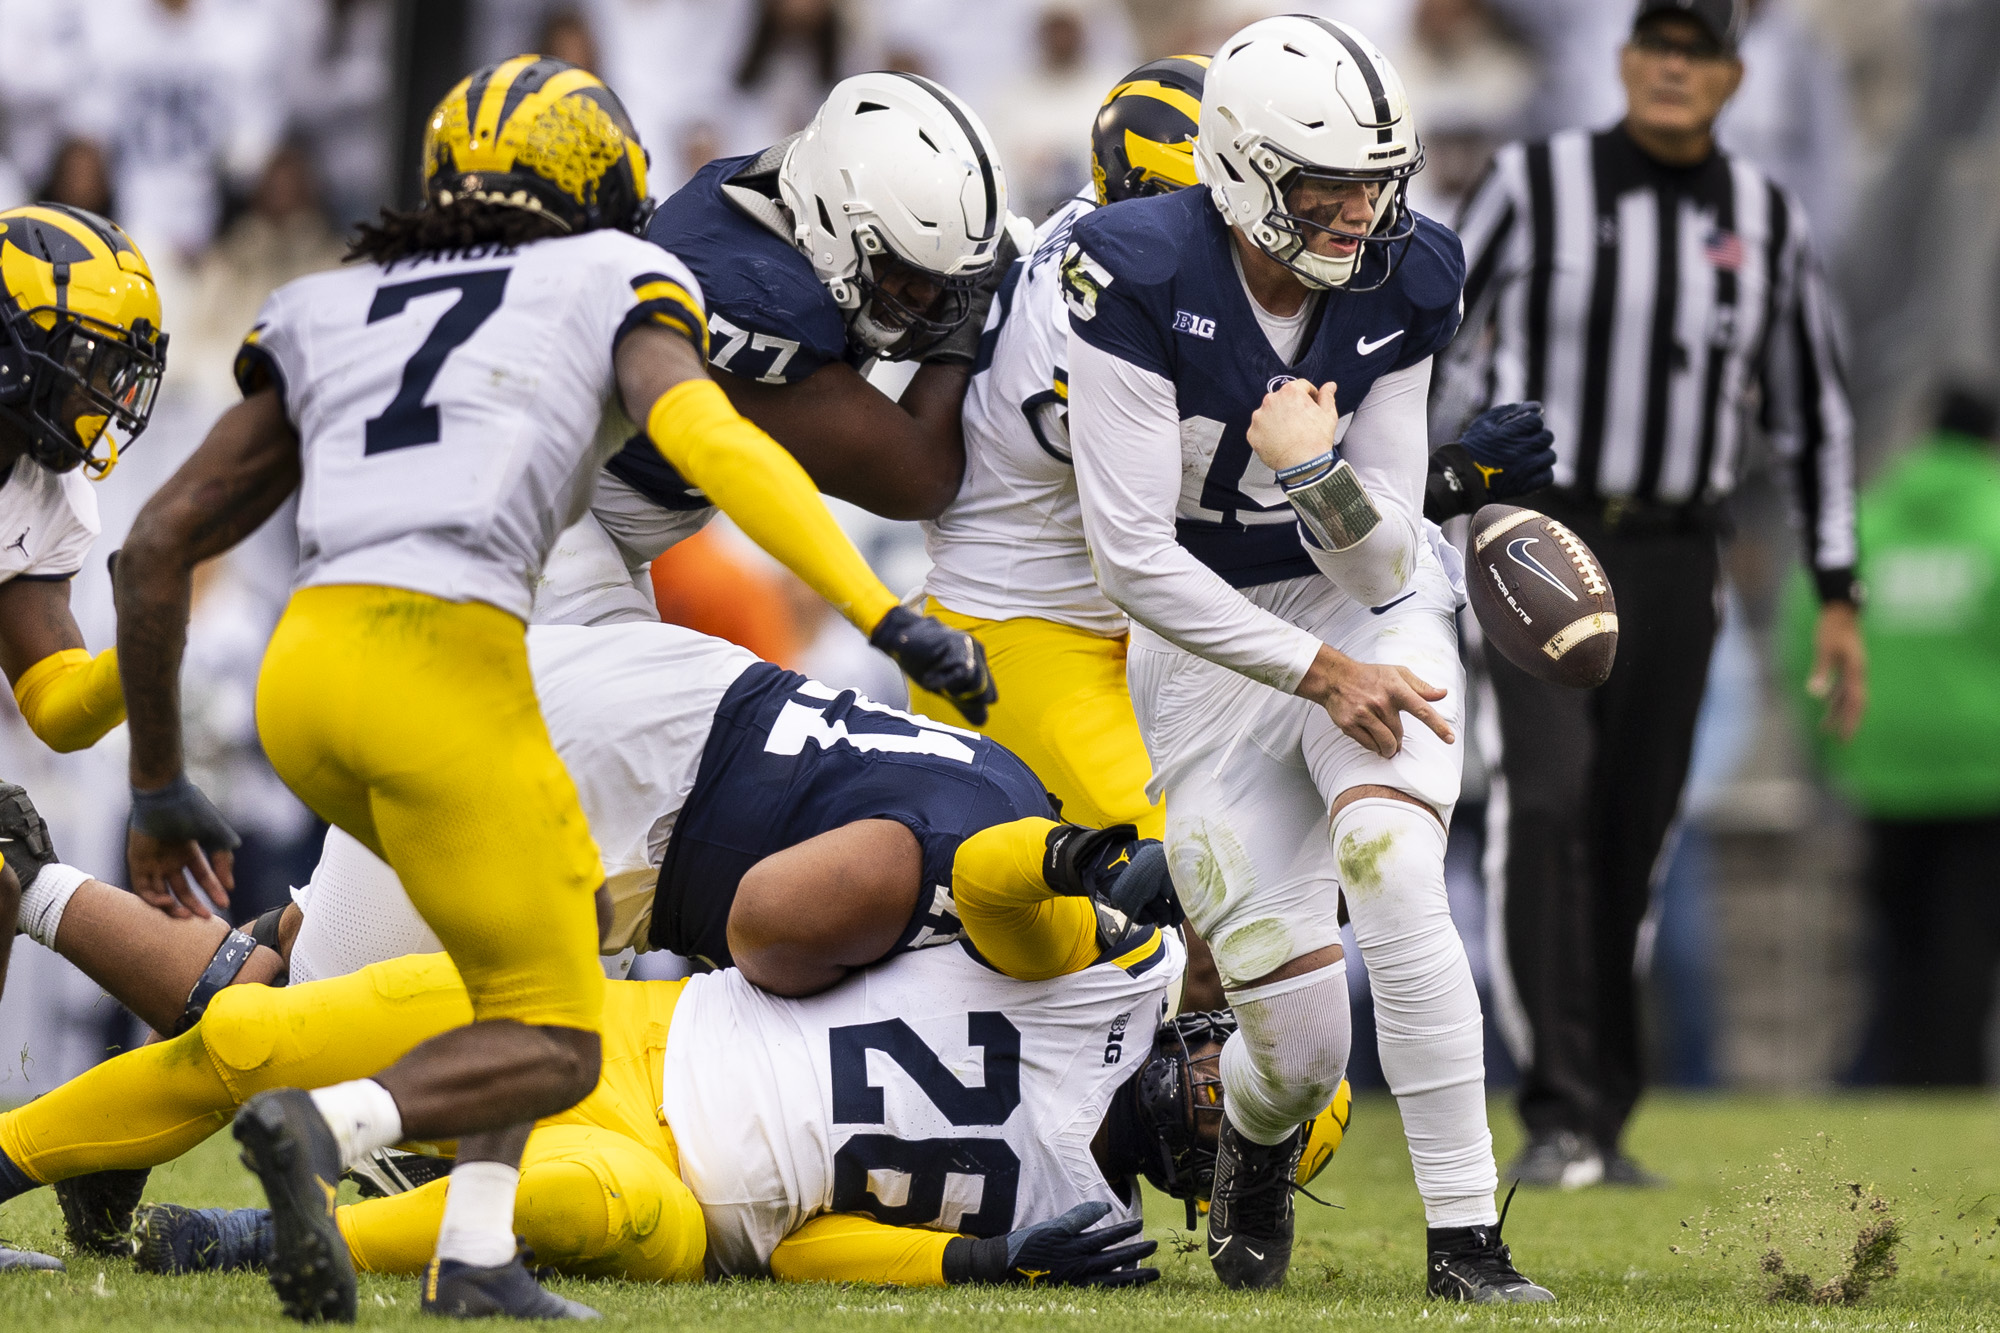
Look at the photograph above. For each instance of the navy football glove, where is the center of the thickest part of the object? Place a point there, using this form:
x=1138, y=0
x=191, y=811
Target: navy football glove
x=179, y=812
x=1513, y=448
x=1061, y=1253
x=940, y=659
x=1115, y=866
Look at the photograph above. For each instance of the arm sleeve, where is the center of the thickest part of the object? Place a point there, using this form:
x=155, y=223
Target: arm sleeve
x=1010, y=914
x=71, y=699
x=1807, y=410
x=845, y=1247
x=754, y=481
x=1388, y=444
x=1125, y=436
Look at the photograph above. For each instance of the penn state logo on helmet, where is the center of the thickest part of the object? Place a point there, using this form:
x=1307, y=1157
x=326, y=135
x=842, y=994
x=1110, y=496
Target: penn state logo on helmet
x=542, y=135
x=1142, y=141
x=81, y=351
x=1295, y=112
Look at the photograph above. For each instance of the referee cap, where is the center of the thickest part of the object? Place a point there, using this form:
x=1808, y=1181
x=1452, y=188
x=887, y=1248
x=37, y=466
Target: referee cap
x=1722, y=18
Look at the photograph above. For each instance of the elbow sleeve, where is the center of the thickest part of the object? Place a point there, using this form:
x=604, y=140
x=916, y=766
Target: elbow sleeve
x=754, y=481
x=1012, y=917
x=71, y=699
x=842, y=1247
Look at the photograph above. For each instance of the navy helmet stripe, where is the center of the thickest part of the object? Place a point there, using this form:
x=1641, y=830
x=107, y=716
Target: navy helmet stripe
x=527, y=81
x=978, y=147
x=1376, y=90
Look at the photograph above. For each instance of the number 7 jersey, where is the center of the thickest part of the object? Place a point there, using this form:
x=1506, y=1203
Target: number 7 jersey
x=928, y=1091
x=453, y=411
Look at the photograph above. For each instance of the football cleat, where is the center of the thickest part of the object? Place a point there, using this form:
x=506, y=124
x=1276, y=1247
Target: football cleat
x=463, y=1291
x=1474, y=1265
x=97, y=1209
x=12, y=1260
x=287, y=1144
x=167, y=1238
x=1250, y=1216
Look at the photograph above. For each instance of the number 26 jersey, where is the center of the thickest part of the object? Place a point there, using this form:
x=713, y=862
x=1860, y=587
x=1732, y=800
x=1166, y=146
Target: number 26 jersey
x=453, y=411
x=927, y=1091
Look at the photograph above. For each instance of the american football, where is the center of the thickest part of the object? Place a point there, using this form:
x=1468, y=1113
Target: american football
x=1541, y=597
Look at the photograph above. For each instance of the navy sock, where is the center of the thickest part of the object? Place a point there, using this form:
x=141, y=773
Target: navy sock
x=13, y=1180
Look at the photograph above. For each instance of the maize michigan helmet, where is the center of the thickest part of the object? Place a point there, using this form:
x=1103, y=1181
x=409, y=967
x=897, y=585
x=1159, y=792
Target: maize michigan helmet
x=540, y=135
x=1142, y=141
x=81, y=349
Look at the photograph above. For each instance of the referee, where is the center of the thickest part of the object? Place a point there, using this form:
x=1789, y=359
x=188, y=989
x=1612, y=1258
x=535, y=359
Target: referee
x=1651, y=292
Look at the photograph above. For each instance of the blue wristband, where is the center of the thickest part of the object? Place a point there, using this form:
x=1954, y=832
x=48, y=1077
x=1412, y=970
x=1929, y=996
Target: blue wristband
x=1308, y=472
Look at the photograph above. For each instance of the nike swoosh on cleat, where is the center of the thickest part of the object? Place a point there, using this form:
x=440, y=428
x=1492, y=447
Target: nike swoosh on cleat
x=1366, y=348
x=1378, y=610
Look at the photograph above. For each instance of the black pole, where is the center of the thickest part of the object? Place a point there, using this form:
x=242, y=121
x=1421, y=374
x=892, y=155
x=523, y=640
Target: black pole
x=430, y=58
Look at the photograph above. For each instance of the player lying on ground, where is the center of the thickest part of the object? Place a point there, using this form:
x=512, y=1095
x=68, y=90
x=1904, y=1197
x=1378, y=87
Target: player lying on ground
x=733, y=1132
x=745, y=813
x=441, y=410
x=1290, y=603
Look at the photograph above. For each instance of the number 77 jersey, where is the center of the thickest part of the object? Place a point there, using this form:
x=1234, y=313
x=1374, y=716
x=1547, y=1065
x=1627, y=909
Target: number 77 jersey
x=928, y=1091
x=453, y=411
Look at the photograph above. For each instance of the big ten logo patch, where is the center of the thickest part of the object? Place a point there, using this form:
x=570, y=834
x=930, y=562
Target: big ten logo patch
x=1114, y=1044
x=1188, y=322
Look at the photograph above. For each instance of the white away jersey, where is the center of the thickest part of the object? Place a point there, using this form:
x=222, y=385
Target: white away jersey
x=450, y=409
x=928, y=1091
x=1012, y=543
x=47, y=522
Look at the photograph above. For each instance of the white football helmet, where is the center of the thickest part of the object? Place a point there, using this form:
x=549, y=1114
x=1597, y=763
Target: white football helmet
x=894, y=166
x=1296, y=97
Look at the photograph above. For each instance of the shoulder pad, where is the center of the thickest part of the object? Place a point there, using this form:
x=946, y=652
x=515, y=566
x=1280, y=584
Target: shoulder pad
x=1138, y=241
x=1432, y=273
x=754, y=282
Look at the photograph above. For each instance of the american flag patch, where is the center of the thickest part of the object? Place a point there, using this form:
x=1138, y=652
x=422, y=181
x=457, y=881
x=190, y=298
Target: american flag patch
x=1724, y=250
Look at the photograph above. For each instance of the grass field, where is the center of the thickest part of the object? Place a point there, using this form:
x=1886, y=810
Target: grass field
x=1749, y=1176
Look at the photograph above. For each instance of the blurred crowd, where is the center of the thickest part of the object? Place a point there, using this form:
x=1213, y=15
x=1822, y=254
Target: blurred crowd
x=236, y=140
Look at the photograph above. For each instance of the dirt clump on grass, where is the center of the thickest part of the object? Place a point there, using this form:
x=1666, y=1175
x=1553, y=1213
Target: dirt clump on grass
x=1870, y=1261
x=1809, y=1231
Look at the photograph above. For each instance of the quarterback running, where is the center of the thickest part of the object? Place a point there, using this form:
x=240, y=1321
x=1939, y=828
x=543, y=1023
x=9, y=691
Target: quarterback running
x=1248, y=367
x=1009, y=563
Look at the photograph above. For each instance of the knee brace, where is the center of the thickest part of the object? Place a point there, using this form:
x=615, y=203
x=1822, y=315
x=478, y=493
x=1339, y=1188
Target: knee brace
x=1285, y=1062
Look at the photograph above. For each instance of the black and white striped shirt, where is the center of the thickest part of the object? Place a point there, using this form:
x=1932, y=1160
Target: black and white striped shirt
x=1650, y=309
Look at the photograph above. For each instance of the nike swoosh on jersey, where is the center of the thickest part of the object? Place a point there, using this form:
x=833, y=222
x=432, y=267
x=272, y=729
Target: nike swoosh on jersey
x=1363, y=346
x=1378, y=610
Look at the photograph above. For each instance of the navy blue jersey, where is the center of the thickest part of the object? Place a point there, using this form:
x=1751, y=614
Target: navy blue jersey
x=770, y=318
x=789, y=759
x=1152, y=282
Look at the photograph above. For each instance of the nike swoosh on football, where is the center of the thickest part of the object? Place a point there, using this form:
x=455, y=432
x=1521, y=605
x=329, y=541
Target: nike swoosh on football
x=1363, y=346
x=1378, y=610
